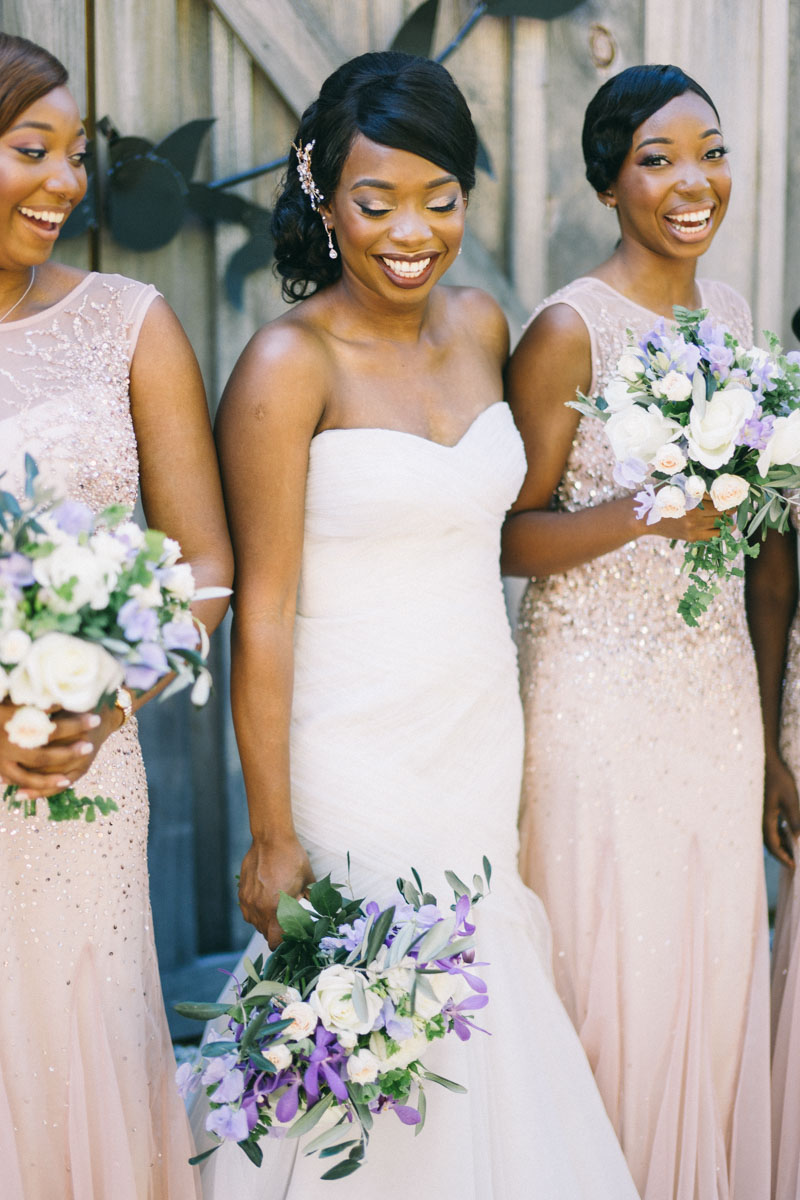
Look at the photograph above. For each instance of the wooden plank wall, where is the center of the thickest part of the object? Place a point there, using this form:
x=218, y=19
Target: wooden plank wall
x=534, y=225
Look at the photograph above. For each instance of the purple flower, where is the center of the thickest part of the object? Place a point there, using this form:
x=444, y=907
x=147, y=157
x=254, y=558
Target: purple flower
x=630, y=472
x=179, y=635
x=287, y=1105
x=756, y=431
x=73, y=517
x=150, y=665
x=16, y=570
x=218, y=1068
x=398, y=1028
x=137, y=623
x=229, y=1088
x=645, y=501
x=187, y=1079
x=228, y=1123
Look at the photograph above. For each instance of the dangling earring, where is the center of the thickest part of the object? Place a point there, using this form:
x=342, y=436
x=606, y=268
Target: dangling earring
x=331, y=248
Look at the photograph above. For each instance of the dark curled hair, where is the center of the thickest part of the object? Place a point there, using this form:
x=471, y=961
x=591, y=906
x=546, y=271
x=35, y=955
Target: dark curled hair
x=619, y=108
x=27, y=72
x=394, y=99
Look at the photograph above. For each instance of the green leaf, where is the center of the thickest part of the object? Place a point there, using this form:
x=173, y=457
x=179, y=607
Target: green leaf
x=359, y=999
x=435, y=940
x=445, y=1083
x=326, y=899
x=329, y=1151
x=293, y=919
x=198, y=1158
x=487, y=870
x=217, y=1049
x=377, y=935
x=310, y=1117
x=253, y=1152
x=458, y=885
x=342, y=1169
x=328, y=1138
x=422, y=1108
x=198, y=1011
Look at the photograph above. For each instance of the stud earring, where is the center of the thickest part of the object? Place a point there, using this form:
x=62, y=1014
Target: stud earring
x=331, y=248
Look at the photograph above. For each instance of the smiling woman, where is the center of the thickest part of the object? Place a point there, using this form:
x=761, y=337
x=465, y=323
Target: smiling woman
x=642, y=789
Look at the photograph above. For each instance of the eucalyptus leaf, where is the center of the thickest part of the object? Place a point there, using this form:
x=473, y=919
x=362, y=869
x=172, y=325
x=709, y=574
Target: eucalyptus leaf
x=359, y=999
x=198, y=1158
x=458, y=885
x=445, y=1083
x=435, y=940
x=422, y=1109
x=329, y=1138
x=342, y=1169
x=200, y=1011
x=331, y=1150
x=253, y=1152
x=310, y=1117
x=378, y=933
x=217, y=1049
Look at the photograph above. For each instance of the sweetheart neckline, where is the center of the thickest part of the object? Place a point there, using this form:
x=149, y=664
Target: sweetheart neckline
x=416, y=436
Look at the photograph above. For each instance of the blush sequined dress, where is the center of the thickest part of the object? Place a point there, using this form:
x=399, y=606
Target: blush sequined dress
x=88, y=1108
x=641, y=824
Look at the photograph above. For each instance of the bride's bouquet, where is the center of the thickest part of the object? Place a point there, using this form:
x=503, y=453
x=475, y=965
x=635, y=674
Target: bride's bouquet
x=332, y=1030
x=691, y=413
x=88, y=603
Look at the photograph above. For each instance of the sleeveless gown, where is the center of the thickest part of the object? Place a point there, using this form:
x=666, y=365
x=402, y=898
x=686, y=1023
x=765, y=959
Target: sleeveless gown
x=641, y=825
x=406, y=751
x=88, y=1109
x=786, y=964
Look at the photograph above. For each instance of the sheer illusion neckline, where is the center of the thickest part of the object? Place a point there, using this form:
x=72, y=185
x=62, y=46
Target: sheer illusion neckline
x=52, y=308
x=642, y=308
x=417, y=437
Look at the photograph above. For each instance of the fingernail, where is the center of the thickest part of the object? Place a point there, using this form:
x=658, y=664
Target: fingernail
x=63, y=782
x=93, y=721
x=85, y=748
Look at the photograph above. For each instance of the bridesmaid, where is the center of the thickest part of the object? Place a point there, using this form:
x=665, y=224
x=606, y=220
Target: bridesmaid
x=641, y=805
x=100, y=384
x=771, y=591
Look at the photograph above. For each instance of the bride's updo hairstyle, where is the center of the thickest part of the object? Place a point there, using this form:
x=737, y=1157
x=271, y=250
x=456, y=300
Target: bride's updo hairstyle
x=27, y=72
x=394, y=99
x=619, y=108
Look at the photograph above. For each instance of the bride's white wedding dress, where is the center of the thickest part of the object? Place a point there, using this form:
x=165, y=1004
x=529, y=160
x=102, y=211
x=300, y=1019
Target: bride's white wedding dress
x=407, y=752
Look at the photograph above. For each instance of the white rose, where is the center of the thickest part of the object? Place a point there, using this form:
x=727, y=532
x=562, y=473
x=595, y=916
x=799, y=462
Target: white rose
x=179, y=580
x=280, y=1056
x=675, y=387
x=132, y=533
x=3, y=684
x=728, y=491
x=433, y=992
x=714, y=425
x=408, y=1051
x=670, y=502
x=783, y=446
x=346, y=1039
x=639, y=432
x=29, y=727
x=630, y=367
x=363, y=1067
x=618, y=395
x=92, y=578
x=171, y=552
x=106, y=546
x=303, y=1017
x=14, y=645
x=147, y=596
x=332, y=1001
x=66, y=672
x=695, y=487
x=669, y=459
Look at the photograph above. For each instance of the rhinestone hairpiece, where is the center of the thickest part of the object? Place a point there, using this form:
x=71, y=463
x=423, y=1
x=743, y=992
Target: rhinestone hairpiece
x=304, y=171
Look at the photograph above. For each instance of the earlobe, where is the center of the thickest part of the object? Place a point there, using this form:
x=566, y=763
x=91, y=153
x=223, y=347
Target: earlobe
x=607, y=199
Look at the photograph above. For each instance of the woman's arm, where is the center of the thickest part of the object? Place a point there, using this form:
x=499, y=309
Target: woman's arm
x=271, y=408
x=181, y=495
x=771, y=599
x=551, y=362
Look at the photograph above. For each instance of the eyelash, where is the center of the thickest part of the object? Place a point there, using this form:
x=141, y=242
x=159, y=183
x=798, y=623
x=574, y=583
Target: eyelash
x=713, y=155
x=381, y=212
x=38, y=155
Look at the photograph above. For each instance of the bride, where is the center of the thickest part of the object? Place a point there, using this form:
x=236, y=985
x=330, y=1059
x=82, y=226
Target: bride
x=368, y=460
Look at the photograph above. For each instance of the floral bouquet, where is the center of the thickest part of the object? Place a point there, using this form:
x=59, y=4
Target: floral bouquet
x=88, y=603
x=690, y=411
x=332, y=1029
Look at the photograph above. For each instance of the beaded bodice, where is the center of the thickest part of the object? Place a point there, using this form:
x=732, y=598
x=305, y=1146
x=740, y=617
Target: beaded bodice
x=633, y=590
x=64, y=391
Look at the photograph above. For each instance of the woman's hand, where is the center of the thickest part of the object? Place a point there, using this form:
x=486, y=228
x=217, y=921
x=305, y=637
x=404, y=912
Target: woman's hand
x=268, y=869
x=700, y=524
x=69, y=753
x=781, y=823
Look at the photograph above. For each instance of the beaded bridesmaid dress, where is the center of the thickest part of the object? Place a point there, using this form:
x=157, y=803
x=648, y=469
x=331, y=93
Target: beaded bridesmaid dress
x=641, y=825
x=88, y=1109
x=406, y=751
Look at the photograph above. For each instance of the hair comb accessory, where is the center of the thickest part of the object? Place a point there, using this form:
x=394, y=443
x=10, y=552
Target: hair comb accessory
x=304, y=171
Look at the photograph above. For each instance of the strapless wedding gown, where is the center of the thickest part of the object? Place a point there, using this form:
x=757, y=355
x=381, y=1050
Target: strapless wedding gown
x=407, y=752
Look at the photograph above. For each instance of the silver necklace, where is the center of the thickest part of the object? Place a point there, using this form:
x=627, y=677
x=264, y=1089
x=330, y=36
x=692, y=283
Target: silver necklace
x=22, y=297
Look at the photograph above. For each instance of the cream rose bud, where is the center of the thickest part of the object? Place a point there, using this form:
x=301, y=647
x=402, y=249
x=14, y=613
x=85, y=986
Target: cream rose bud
x=363, y=1067
x=728, y=491
x=29, y=727
x=280, y=1056
x=639, y=432
x=303, y=1018
x=695, y=487
x=332, y=1001
x=66, y=672
x=179, y=580
x=171, y=552
x=346, y=1039
x=92, y=578
x=669, y=459
x=618, y=395
x=670, y=502
x=783, y=446
x=14, y=645
x=148, y=596
x=674, y=387
x=630, y=367
x=714, y=425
